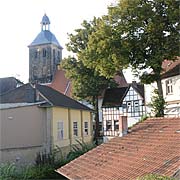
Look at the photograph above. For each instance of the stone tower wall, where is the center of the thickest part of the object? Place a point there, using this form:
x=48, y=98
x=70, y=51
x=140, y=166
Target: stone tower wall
x=43, y=61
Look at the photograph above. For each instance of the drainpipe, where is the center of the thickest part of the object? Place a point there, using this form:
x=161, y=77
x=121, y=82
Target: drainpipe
x=48, y=130
x=70, y=129
x=82, y=130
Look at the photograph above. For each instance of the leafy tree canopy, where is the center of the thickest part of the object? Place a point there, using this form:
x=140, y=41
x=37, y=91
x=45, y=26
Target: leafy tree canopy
x=104, y=50
x=87, y=83
x=140, y=33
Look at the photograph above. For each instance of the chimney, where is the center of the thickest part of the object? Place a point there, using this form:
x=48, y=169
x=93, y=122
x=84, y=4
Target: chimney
x=134, y=82
x=123, y=126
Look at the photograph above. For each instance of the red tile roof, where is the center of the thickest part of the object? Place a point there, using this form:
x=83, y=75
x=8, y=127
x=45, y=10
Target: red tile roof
x=168, y=65
x=120, y=79
x=170, y=68
x=61, y=83
x=151, y=147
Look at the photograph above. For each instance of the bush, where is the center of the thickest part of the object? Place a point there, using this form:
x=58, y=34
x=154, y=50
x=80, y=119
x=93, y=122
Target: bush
x=43, y=158
x=158, y=104
x=11, y=172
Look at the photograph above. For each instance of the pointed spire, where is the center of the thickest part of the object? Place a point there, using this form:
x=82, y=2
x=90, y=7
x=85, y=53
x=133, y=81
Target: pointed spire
x=45, y=23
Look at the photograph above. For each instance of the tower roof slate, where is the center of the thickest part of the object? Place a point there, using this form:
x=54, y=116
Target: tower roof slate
x=45, y=37
x=45, y=20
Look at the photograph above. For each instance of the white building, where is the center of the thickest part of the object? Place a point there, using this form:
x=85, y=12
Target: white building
x=171, y=88
x=124, y=101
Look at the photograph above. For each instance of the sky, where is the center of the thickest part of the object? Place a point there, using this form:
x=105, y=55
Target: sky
x=20, y=24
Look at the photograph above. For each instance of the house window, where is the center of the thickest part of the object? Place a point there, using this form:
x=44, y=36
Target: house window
x=136, y=106
x=86, y=128
x=75, y=129
x=169, y=88
x=129, y=106
x=116, y=125
x=108, y=125
x=60, y=130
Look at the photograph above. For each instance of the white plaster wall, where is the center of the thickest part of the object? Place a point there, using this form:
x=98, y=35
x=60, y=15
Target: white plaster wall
x=176, y=89
x=100, y=101
x=132, y=120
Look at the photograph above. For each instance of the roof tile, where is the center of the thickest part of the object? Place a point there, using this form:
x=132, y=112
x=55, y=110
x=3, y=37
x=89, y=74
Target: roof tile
x=58, y=99
x=151, y=147
x=61, y=83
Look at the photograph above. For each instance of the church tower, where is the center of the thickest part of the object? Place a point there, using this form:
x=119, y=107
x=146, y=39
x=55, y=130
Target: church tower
x=45, y=54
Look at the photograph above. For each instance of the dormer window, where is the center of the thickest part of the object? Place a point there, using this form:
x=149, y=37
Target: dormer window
x=169, y=87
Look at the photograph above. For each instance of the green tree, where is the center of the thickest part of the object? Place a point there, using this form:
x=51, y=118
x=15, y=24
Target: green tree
x=141, y=33
x=87, y=83
x=158, y=104
x=104, y=51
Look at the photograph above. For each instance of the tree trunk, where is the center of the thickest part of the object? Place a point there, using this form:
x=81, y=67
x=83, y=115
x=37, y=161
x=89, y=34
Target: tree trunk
x=159, y=86
x=160, y=92
x=97, y=133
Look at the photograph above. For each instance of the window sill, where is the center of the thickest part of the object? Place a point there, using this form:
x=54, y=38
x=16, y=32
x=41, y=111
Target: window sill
x=169, y=94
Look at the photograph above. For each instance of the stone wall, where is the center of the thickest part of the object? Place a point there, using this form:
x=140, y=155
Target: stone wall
x=20, y=156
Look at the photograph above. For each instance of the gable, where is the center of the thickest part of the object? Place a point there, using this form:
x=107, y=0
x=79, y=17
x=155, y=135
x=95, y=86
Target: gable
x=132, y=95
x=114, y=97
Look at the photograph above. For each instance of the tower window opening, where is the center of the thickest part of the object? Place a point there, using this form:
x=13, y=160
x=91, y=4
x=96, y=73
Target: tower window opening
x=53, y=53
x=44, y=52
x=36, y=54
